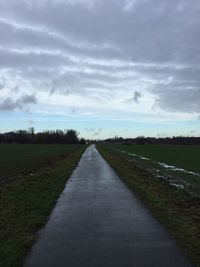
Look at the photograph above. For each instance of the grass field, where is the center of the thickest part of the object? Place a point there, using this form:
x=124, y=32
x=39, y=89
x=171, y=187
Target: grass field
x=40, y=173
x=16, y=159
x=176, y=208
x=180, y=165
x=187, y=157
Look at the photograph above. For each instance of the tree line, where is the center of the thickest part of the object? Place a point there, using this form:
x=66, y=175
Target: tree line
x=46, y=137
x=141, y=140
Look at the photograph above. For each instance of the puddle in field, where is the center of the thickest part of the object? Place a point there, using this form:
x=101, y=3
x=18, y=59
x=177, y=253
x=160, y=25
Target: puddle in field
x=164, y=165
x=174, y=168
x=131, y=154
x=171, y=179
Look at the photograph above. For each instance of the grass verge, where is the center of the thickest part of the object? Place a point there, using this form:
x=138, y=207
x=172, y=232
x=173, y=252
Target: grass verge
x=176, y=210
x=25, y=206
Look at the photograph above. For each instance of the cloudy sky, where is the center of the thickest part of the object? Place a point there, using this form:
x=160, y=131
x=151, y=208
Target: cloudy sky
x=103, y=67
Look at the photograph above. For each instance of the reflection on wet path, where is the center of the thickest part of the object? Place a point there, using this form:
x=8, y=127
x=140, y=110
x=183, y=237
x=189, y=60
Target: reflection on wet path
x=98, y=222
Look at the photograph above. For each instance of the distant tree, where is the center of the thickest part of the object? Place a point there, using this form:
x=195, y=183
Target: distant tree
x=140, y=140
x=31, y=130
x=45, y=137
x=72, y=136
x=82, y=141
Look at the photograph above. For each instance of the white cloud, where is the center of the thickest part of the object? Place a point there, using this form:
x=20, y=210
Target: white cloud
x=100, y=55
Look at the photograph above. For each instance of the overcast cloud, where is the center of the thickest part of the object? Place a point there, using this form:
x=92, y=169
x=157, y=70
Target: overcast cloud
x=96, y=55
x=10, y=104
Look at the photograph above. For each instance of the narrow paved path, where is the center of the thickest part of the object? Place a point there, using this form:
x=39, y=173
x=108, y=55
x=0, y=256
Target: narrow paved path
x=98, y=222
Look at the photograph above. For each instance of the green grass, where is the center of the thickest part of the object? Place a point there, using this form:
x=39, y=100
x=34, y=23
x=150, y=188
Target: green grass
x=27, y=201
x=17, y=159
x=187, y=157
x=178, y=211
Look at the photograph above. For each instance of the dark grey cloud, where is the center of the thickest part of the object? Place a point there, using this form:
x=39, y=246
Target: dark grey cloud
x=22, y=59
x=137, y=95
x=97, y=132
x=2, y=84
x=89, y=129
x=94, y=131
x=8, y=104
x=31, y=122
x=179, y=100
x=150, y=31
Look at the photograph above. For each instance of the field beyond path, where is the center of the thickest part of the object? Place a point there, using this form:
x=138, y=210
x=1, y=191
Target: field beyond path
x=31, y=180
x=99, y=222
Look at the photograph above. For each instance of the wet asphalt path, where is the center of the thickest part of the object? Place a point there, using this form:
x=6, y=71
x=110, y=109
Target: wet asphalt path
x=98, y=222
